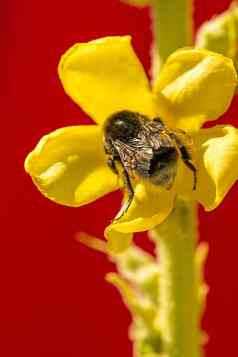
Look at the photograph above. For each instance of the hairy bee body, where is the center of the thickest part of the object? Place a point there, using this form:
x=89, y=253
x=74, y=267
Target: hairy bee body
x=145, y=149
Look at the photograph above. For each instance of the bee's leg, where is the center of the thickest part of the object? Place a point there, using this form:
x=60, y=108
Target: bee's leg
x=112, y=165
x=181, y=139
x=129, y=191
x=188, y=162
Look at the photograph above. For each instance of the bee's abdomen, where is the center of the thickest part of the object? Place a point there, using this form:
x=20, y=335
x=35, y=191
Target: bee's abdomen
x=162, y=157
x=163, y=167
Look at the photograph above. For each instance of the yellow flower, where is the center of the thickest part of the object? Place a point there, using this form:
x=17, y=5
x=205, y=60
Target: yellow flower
x=105, y=76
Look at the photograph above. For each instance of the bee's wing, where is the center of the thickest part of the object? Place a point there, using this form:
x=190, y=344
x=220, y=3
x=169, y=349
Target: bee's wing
x=136, y=155
x=157, y=135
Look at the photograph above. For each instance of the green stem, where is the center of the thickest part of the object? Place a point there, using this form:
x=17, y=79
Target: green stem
x=178, y=303
x=172, y=28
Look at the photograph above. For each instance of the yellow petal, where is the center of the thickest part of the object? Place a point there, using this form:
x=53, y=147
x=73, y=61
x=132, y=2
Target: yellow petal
x=199, y=85
x=150, y=206
x=105, y=76
x=117, y=242
x=69, y=166
x=218, y=169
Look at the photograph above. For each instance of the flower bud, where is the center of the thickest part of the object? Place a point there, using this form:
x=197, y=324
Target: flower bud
x=220, y=34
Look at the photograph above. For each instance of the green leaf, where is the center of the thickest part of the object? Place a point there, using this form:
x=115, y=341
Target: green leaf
x=137, y=303
x=141, y=270
x=134, y=265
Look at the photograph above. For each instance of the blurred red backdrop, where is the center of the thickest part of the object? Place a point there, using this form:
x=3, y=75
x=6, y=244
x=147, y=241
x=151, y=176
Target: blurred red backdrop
x=54, y=300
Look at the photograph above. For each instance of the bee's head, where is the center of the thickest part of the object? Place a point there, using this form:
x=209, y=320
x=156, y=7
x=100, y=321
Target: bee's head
x=122, y=125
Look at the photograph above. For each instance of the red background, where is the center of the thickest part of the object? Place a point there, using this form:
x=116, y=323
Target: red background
x=54, y=300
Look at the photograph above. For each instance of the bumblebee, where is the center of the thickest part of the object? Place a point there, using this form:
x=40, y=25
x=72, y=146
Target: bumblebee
x=146, y=149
